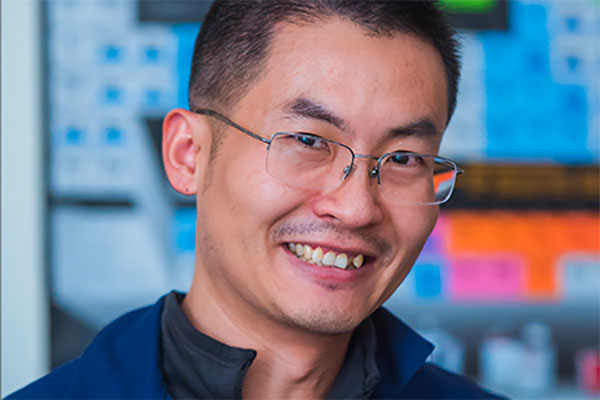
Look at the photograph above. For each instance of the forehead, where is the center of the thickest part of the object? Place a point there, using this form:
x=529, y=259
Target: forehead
x=373, y=83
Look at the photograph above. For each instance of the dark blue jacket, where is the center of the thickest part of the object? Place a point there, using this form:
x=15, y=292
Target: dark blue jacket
x=123, y=362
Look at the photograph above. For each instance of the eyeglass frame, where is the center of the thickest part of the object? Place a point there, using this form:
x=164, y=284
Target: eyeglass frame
x=348, y=169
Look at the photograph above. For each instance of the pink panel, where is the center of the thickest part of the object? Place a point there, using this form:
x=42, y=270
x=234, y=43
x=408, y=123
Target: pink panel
x=486, y=277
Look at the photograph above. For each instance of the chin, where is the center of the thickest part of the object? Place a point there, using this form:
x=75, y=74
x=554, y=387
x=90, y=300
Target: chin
x=324, y=321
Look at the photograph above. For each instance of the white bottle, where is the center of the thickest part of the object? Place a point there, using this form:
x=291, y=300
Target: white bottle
x=538, y=361
x=499, y=363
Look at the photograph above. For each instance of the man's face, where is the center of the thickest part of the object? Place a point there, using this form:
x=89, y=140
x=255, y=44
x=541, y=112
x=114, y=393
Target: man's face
x=246, y=218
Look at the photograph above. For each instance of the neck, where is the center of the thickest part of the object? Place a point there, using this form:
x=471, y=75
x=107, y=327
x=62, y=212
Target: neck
x=291, y=373
x=290, y=362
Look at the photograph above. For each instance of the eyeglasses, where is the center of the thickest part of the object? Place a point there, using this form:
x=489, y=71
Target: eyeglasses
x=304, y=160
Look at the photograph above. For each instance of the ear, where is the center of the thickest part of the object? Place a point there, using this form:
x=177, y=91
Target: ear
x=185, y=149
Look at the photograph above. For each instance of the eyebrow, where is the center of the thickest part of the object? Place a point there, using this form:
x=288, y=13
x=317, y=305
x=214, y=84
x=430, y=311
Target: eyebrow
x=307, y=108
x=423, y=127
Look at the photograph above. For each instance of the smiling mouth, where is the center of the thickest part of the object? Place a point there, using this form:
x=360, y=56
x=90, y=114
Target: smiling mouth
x=328, y=258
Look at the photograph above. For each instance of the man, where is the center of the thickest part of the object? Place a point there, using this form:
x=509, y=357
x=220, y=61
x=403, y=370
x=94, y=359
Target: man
x=309, y=148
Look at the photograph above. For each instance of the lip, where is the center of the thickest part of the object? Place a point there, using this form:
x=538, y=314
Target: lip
x=330, y=275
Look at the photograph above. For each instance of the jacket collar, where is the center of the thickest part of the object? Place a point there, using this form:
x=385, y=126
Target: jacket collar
x=400, y=353
x=124, y=359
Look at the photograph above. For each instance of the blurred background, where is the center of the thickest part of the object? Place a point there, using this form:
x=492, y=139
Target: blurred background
x=507, y=287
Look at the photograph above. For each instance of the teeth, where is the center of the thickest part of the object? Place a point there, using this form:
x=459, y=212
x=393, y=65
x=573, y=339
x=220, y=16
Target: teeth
x=358, y=261
x=332, y=259
x=317, y=255
x=329, y=258
x=341, y=261
x=307, y=252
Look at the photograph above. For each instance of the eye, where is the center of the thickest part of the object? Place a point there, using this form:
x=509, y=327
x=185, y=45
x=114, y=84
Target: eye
x=312, y=142
x=405, y=159
x=401, y=159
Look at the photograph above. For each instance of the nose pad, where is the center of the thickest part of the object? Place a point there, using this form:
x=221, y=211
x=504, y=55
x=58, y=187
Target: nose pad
x=347, y=171
x=374, y=173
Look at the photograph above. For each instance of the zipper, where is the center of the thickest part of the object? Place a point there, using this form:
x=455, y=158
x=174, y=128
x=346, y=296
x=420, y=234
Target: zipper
x=242, y=375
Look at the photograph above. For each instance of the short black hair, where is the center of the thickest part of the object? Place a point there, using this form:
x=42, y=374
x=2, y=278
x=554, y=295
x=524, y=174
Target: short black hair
x=232, y=46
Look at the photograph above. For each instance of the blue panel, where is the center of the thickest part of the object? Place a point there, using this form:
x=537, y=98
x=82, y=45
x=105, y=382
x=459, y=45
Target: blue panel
x=528, y=21
x=186, y=34
x=111, y=95
x=151, y=55
x=152, y=98
x=74, y=136
x=529, y=116
x=184, y=230
x=428, y=279
x=111, y=53
x=573, y=24
x=113, y=136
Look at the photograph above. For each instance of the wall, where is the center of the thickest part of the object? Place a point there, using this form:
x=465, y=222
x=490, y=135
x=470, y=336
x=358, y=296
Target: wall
x=25, y=337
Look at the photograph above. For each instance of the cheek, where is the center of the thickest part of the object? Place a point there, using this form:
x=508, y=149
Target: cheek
x=413, y=227
x=416, y=222
x=427, y=217
x=248, y=200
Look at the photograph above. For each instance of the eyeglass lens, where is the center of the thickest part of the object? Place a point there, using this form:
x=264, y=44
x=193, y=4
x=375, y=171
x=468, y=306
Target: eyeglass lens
x=306, y=161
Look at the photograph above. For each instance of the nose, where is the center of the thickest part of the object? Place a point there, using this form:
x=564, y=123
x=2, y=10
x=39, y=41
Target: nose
x=353, y=204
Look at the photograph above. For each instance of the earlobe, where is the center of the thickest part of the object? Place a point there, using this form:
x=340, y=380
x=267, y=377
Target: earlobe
x=185, y=149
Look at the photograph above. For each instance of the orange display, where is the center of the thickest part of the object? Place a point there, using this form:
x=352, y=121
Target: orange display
x=539, y=239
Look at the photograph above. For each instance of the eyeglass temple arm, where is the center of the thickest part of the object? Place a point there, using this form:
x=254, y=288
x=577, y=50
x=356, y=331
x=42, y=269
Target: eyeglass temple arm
x=459, y=171
x=215, y=114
